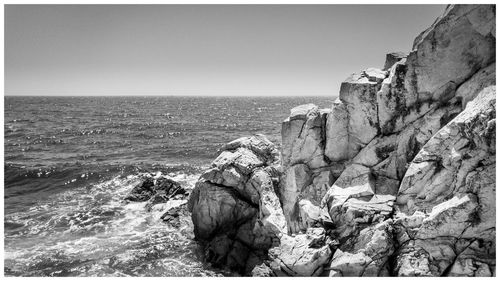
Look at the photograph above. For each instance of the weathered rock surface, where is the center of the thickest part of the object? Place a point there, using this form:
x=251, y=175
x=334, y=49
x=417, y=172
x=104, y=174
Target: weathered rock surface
x=366, y=254
x=396, y=179
x=481, y=79
x=359, y=94
x=302, y=255
x=440, y=169
x=337, y=134
x=156, y=189
x=176, y=216
x=234, y=208
x=452, y=180
x=303, y=136
x=393, y=58
x=448, y=53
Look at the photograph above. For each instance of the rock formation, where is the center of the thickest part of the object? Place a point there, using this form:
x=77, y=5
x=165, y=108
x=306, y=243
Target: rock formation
x=235, y=211
x=396, y=179
x=155, y=190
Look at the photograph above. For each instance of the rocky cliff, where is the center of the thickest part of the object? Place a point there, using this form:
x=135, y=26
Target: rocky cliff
x=396, y=179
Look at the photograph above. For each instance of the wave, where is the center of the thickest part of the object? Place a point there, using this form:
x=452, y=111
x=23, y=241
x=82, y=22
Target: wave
x=90, y=231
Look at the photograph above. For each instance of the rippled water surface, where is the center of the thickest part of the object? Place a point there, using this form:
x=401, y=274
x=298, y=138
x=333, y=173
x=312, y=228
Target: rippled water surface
x=69, y=161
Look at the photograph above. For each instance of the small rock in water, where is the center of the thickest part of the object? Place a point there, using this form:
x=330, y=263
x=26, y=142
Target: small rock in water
x=157, y=189
x=174, y=216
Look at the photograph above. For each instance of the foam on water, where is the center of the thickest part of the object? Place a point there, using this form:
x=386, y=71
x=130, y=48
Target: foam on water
x=90, y=231
x=63, y=210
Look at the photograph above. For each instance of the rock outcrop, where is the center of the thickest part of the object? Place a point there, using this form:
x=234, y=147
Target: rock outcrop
x=236, y=214
x=156, y=189
x=396, y=179
x=449, y=190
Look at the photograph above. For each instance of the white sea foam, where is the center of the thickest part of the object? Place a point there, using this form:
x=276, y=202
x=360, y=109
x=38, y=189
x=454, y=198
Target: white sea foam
x=92, y=231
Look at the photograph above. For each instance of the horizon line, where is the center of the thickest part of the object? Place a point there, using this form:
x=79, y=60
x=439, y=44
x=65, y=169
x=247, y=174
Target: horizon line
x=175, y=95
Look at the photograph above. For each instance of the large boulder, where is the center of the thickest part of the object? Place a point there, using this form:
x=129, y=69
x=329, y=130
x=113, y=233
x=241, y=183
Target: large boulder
x=217, y=209
x=235, y=211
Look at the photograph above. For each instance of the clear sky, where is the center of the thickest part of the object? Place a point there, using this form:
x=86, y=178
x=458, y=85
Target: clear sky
x=201, y=49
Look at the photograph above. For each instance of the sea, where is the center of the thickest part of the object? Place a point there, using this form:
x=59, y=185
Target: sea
x=70, y=161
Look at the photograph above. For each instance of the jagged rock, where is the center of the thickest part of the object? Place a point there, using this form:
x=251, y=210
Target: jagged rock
x=311, y=215
x=302, y=255
x=449, y=218
x=352, y=202
x=458, y=44
x=443, y=57
x=470, y=268
x=233, y=169
x=337, y=134
x=367, y=254
x=315, y=191
x=271, y=221
x=234, y=203
x=347, y=264
x=439, y=170
x=482, y=183
x=425, y=257
x=481, y=79
x=407, y=180
x=259, y=145
x=359, y=94
x=176, y=216
x=293, y=181
x=217, y=209
x=451, y=178
x=435, y=239
x=392, y=58
x=302, y=136
x=478, y=259
x=157, y=189
x=262, y=270
x=376, y=151
x=415, y=136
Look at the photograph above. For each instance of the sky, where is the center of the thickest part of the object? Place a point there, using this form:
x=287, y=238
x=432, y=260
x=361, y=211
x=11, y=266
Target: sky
x=262, y=50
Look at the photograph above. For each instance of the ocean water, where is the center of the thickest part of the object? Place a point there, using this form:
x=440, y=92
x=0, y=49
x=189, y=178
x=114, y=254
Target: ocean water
x=69, y=162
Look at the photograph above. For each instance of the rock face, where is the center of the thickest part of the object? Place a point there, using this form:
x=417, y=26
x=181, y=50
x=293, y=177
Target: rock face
x=449, y=189
x=396, y=179
x=235, y=211
x=392, y=145
x=302, y=255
